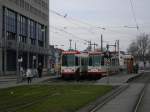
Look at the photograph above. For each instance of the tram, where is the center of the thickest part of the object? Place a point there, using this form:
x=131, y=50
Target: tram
x=95, y=65
x=70, y=64
x=110, y=64
x=102, y=64
x=76, y=64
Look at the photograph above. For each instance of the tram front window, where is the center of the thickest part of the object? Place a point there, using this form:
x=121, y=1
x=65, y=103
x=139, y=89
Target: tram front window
x=68, y=60
x=94, y=60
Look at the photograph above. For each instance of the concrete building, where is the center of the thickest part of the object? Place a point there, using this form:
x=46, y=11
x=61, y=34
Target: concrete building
x=54, y=58
x=24, y=26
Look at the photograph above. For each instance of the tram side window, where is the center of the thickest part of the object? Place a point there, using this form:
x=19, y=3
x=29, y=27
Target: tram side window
x=64, y=60
x=102, y=60
x=90, y=61
x=77, y=61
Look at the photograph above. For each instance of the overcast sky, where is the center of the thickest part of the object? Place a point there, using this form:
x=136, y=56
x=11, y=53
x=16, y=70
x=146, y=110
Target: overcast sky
x=85, y=17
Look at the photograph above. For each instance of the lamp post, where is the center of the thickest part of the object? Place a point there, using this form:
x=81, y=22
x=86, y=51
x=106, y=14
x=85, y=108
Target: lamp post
x=102, y=28
x=107, y=53
x=33, y=63
x=19, y=77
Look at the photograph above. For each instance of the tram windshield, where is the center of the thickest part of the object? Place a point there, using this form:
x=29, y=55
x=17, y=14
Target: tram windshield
x=94, y=60
x=68, y=60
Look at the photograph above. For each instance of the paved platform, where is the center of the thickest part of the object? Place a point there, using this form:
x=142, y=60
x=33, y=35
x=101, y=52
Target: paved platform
x=11, y=81
x=118, y=79
x=124, y=102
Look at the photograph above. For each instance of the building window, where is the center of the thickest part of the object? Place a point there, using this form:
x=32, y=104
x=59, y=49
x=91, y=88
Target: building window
x=22, y=28
x=10, y=36
x=22, y=39
x=40, y=34
x=10, y=20
x=32, y=31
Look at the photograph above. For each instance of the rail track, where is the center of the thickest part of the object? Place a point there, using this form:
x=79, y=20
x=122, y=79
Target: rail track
x=109, y=97
x=94, y=106
x=144, y=79
x=141, y=96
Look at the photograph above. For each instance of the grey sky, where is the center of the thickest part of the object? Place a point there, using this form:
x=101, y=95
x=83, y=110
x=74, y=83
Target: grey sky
x=111, y=14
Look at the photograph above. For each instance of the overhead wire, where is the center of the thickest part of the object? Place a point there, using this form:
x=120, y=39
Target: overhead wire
x=71, y=34
x=134, y=15
x=76, y=22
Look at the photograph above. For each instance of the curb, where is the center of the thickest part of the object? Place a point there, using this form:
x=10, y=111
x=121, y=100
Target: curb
x=93, y=106
x=132, y=78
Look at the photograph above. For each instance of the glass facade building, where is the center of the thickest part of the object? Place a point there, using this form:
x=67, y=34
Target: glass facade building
x=24, y=28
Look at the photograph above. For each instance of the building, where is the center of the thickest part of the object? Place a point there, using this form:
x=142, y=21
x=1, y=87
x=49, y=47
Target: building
x=54, y=59
x=24, y=26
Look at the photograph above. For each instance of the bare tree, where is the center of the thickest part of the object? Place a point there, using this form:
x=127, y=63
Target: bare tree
x=133, y=49
x=140, y=47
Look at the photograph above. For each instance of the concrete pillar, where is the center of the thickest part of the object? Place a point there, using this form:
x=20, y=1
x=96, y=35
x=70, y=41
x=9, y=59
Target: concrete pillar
x=44, y=39
x=5, y=49
x=37, y=61
x=44, y=61
x=17, y=51
x=1, y=36
x=1, y=61
x=28, y=43
x=36, y=35
x=28, y=61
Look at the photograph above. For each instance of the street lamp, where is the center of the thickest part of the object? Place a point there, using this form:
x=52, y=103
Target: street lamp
x=101, y=37
x=34, y=58
x=19, y=77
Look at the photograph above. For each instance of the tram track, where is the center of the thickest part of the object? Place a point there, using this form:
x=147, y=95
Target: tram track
x=94, y=106
x=112, y=95
x=141, y=96
x=140, y=83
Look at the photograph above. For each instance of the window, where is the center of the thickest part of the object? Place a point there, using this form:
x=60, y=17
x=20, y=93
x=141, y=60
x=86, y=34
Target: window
x=10, y=20
x=90, y=60
x=94, y=60
x=22, y=28
x=10, y=36
x=22, y=39
x=77, y=61
x=40, y=34
x=102, y=61
x=32, y=31
x=68, y=60
x=22, y=25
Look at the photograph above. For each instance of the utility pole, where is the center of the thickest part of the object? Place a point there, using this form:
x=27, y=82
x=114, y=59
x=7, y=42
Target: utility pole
x=115, y=46
x=101, y=43
x=75, y=46
x=90, y=45
x=118, y=44
x=94, y=45
x=70, y=44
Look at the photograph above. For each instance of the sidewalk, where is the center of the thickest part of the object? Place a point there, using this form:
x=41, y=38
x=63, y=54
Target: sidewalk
x=118, y=79
x=11, y=81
